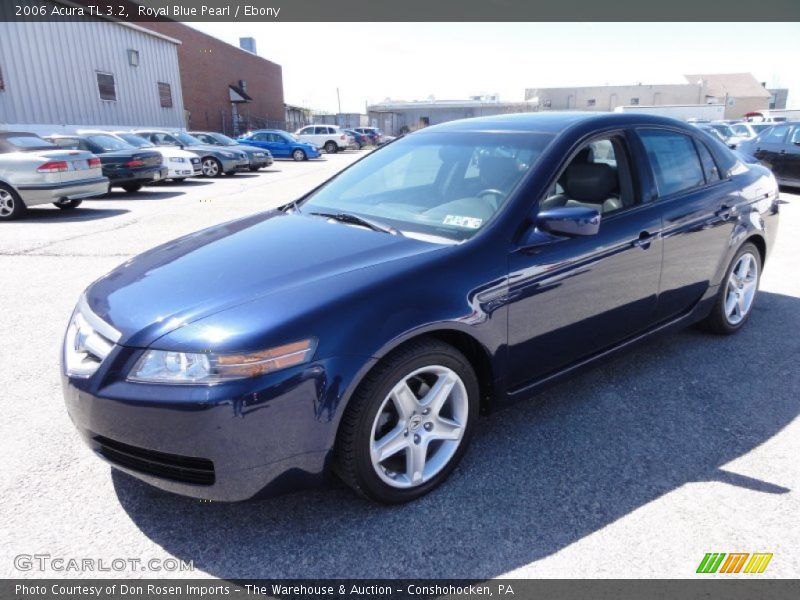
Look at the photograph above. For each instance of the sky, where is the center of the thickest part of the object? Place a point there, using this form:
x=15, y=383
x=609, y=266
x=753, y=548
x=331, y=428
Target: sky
x=413, y=61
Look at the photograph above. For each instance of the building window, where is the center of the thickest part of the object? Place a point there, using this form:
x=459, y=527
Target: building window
x=165, y=95
x=590, y=102
x=548, y=103
x=634, y=101
x=106, y=86
x=133, y=58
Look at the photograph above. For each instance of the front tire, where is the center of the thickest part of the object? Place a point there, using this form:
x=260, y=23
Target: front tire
x=409, y=423
x=132, y=187
x=737, y=292
x=68, y=204
x=11, y=205
x=299, y=155
x=211, y=167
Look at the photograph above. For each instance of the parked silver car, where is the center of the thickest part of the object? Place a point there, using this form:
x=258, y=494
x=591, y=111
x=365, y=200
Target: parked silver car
x=214, y=160
x=33, y=171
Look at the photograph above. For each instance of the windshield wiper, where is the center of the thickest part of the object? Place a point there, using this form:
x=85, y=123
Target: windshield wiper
x=352, y=219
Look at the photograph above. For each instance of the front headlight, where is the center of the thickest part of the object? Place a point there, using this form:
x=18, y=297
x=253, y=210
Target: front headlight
x=164, y=366
x=228, y=154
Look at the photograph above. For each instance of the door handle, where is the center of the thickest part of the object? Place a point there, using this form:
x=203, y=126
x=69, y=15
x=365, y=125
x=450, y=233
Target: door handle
x=644, y=240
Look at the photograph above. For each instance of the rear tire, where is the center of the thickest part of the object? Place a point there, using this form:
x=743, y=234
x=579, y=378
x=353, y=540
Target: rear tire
x=737, y=292
x=254, y=169
x=68, y=204
x=299, y=155
x=331, y=147
x=132, y=187
x=11, y=205
x=398, y=438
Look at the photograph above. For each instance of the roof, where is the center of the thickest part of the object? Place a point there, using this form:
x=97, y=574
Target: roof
x=403, y=105
x=237, y=94
x=736, y=85
x=550, y=121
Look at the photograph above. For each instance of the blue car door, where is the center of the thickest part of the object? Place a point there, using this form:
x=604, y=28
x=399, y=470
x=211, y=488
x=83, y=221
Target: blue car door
x=579, y=295
x=700, y=209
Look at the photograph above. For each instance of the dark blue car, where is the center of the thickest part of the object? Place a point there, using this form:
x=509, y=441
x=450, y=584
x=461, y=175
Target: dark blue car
x=362, y=329
x=281, y=144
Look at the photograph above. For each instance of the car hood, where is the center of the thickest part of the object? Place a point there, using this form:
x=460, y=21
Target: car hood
x=212, y=149
x=227, y=265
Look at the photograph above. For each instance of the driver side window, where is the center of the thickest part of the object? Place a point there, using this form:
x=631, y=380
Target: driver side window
x=597, y=177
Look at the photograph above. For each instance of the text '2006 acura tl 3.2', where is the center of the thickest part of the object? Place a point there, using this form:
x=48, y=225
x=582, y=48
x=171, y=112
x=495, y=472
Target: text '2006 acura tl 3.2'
x=362, y=329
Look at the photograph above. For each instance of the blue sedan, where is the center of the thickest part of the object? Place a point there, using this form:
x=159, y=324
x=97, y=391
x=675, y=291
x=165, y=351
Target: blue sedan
x=281, y=144
x=362, y=329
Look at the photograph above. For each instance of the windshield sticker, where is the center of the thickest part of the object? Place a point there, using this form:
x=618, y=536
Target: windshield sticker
x=466, y=222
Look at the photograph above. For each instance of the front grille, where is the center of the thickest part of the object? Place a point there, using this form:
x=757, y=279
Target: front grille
x=186, y=469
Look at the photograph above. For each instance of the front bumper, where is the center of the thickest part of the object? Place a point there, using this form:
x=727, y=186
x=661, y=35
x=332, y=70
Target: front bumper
x=181, y=170
x=234, y=164
x=228, y=442
x=72, y=190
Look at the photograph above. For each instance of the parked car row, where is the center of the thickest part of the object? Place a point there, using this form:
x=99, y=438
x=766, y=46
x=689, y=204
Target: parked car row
x=64, y=169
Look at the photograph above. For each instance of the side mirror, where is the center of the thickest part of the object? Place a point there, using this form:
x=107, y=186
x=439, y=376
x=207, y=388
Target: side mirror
x=569, y=220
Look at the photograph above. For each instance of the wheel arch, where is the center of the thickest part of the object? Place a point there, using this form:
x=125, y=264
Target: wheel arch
x=761, y=244
x=475, y=352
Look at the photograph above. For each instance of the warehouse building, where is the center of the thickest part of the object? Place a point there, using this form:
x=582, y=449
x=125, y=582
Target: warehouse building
x=741, y=93
x=225, y=88
x=397, y=118
x=91, y=73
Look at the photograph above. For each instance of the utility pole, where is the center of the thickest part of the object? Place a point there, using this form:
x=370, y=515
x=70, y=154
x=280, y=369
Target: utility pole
x=339, y=101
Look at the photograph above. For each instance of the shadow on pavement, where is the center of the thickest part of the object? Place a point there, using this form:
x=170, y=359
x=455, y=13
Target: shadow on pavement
x=539, y=476
x=147, y=193
x=86, y=212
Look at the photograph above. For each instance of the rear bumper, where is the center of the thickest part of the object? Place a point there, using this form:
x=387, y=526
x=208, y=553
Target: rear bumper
x=72, y=190
x=144, y=175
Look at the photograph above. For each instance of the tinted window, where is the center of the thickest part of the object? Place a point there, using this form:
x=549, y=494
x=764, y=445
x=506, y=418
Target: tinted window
x=709, y=166
x=109, y=143
x=775, y=135
x=674, y=160
x=28, y=142
x=795, y=139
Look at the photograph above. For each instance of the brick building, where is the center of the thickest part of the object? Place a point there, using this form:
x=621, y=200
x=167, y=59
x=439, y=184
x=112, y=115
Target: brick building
x=225, y=88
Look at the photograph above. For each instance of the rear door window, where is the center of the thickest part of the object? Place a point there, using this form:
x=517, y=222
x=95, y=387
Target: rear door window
x=674, y=160
x=710, y=168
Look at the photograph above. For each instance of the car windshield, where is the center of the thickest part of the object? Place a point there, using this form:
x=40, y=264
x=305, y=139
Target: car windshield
x=441, y=187
x=109, y=143
x=135, y=140
x=725, y=130
x=186, y=139
x=224, y=139
x=29, y=142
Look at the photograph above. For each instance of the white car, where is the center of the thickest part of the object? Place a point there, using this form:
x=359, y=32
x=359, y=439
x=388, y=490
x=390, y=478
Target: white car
x=33, y=171
x=327, y=137
x=748, y=130
x=180, y=163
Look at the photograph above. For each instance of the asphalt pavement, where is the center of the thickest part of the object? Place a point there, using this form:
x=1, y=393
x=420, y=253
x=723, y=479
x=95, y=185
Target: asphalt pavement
x=688, y=444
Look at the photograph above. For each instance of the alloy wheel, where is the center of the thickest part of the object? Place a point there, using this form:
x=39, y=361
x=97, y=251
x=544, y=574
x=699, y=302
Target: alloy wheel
x=210, y=167
x=6, y=203
x=741, y=288
x=419, y=426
